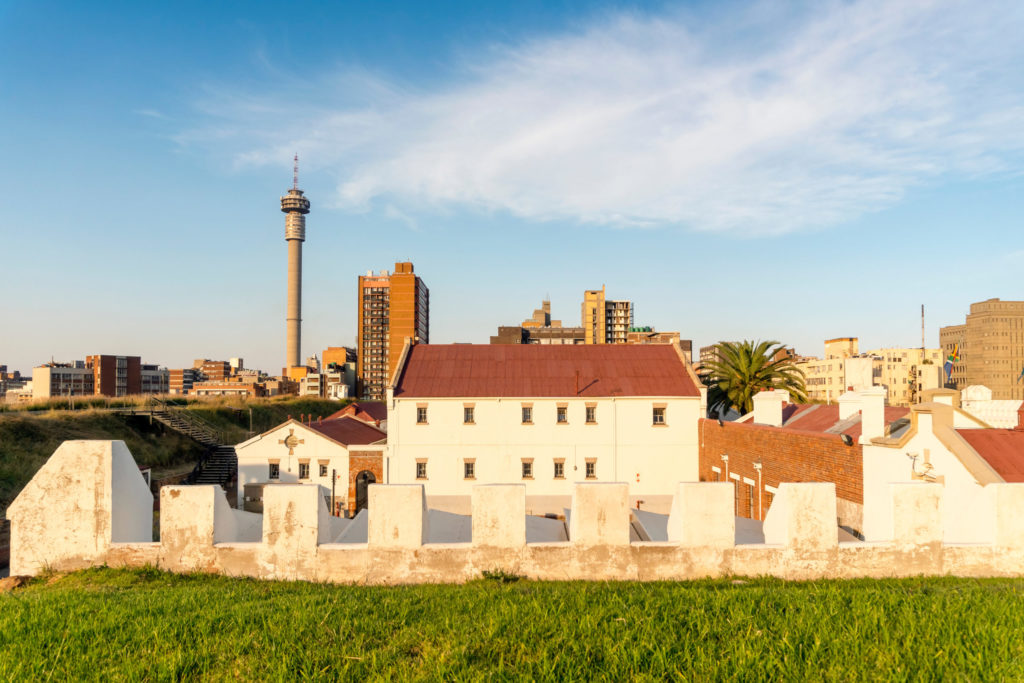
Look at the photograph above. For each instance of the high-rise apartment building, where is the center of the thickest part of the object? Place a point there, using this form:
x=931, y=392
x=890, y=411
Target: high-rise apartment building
x=393, y=307
x=605, y=321
x=990, y=348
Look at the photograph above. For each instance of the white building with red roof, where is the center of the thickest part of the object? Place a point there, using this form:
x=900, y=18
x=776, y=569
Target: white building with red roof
x=546, y=416
x=343, y=455
x=946, y=445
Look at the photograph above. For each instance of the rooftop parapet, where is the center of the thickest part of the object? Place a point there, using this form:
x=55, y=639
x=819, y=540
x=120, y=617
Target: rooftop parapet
x=88, y=506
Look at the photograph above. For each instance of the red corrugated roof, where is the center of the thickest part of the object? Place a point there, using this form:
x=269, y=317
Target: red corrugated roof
x=367, y=411
x=543, y=370
x=821, y=418
x=348, y=431
x=1003, y=449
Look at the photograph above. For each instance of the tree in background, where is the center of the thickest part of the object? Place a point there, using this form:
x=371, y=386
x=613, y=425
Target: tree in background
x=741, y=369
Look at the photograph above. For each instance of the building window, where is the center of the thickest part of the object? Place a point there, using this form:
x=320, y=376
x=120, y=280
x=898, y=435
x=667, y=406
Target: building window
x=421, y=470
x=591, y=415
x=275, y=471
x=659, y=416
x=323, y=470
x=562, y=414
x=467, y=415
x=469, y=469
x=527, y=469
x=559, y=469
x=527, y=415
x=303, y=470
x=421, y=415
x=591, y=469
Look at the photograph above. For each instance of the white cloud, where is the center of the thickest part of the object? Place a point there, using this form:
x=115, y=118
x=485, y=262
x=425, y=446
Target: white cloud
x=759, y=122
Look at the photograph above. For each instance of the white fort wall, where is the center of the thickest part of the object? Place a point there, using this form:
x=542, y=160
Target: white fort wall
x=65, y=519
x=623, y=443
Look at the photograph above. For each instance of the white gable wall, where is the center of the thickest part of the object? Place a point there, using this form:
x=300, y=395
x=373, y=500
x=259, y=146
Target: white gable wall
x=255, y=455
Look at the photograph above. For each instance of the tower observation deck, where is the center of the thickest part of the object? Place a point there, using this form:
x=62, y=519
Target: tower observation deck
x=295, y=206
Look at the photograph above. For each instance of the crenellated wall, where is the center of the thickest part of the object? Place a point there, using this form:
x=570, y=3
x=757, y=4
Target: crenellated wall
x=96, y=523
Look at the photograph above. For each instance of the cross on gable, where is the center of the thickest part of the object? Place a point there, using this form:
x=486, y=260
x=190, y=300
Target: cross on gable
x=291, y=441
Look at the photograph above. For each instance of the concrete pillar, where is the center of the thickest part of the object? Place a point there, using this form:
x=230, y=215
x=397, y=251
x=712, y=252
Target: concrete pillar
x=499, y=515
x=87, y=495
x=872, y=414
x=398, y=516
x=703, y=514
x=295, y=520
x=768, y=407
x=188, y=522
x=849, y=404
x=1007, y=523
x=803, y=516
x=600, y=514
x=916, y=513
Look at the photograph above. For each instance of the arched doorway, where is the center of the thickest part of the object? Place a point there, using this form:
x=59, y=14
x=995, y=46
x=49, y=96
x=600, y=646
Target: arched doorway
x=363, y=481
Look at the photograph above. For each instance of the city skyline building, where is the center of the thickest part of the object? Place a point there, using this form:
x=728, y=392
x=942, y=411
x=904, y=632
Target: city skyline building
x=987, y=349
x=295, y=207
x=392, y=307
x=605, y=321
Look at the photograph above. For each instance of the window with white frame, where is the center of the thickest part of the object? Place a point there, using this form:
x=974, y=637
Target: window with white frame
x=559, y=469
x=527, y=415
x=591, y=415
x=469, y=469
x=303, y=470
x=659, y=415
x=421, y=470
x=421, y=415
x=562, y=414
x=323, y=469
x=467, y=415
x=591, y=469
x=275, y=471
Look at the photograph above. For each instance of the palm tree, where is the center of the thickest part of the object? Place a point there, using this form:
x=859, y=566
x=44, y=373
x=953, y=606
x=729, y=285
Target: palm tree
x=741, y=369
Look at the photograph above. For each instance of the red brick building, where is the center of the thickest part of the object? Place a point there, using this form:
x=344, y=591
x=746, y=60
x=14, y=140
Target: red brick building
x=803, y=443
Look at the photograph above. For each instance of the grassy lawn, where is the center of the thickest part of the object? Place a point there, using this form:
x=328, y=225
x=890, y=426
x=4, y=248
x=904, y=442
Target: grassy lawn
x=149, y=625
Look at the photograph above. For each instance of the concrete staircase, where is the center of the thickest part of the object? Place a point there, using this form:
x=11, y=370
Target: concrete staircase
x=219, y=464
x=220, y=467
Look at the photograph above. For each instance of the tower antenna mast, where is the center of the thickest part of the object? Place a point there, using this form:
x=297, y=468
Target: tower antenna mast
x=295, y=173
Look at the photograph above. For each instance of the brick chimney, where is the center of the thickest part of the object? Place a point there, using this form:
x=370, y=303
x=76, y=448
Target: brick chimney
x=768, y=407
x=849, y=404
x=872, y=413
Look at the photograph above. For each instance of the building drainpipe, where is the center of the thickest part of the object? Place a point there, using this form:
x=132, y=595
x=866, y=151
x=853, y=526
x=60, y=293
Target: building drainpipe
x=615, y=438
x=757, y=466
x=725, y=459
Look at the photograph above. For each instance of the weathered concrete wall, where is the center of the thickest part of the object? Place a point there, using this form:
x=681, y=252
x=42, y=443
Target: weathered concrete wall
x=200, y=532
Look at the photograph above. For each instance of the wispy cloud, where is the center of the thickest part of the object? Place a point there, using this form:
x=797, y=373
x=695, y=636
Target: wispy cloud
x=759, y=122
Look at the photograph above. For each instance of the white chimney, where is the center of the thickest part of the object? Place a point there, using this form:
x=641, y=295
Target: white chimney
x=872, y=413
x=849, y=404
x=768, y=407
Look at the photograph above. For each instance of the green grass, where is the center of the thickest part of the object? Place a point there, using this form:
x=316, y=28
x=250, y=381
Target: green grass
x=147, y=625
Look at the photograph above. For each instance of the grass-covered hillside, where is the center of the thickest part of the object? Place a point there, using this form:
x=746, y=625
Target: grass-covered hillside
x=28, y=438
x=147, y=625
x=26, y=441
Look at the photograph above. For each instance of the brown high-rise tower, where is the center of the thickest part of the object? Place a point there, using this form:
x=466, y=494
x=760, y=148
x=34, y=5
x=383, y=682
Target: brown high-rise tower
x=295, y=206
x=393, y=307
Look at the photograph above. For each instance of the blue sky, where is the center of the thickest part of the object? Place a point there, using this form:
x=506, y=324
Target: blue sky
x=738, y=170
